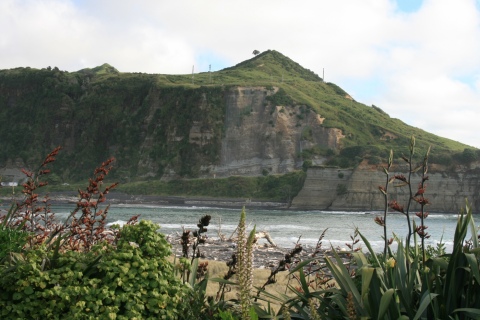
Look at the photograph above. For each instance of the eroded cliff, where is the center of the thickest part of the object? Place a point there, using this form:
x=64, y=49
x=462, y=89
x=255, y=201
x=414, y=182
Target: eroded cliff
x=357, y=190
x=264, y=138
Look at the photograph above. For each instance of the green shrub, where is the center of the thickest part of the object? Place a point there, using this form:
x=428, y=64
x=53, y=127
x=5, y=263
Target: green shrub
x=467, y=156
x=77, y=269
x=443, y=159
x=344, y=162
x=352, y=152
x=281, y=98
x=306, y=164
x=11, y=240
x=133, y=280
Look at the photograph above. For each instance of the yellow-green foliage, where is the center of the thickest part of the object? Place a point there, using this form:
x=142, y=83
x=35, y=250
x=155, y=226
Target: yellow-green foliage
x=134, y=280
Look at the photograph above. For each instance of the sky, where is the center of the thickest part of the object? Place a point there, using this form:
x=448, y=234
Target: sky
x=418, y=60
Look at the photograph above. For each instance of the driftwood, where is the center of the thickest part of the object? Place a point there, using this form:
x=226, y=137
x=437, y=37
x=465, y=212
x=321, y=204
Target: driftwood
x=221, y=236
x=259, y=235
x=264, y=235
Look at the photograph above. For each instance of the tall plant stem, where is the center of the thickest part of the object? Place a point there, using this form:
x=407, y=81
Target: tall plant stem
x=385, y=211
x=423, y=202
x=407, y=212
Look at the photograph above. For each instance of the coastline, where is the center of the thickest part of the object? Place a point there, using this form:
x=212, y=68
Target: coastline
x=116, y=197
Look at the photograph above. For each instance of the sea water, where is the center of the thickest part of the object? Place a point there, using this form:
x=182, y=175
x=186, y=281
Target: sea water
x=286, y=227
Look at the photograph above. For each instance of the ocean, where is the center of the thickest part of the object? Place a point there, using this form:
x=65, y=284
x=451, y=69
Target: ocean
x=286, y=227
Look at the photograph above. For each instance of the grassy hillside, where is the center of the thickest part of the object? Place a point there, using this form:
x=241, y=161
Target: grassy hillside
x=144, y=120
x=362, y=125
x=368, y=130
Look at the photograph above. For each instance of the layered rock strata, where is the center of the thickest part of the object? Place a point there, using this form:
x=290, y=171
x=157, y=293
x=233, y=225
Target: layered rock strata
x=261, y=137
x=357, y=190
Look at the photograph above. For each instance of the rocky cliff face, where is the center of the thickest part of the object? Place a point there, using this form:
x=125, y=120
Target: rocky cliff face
x=357, y=190
x=236, y=131
x=261, y=137
x=161, y=132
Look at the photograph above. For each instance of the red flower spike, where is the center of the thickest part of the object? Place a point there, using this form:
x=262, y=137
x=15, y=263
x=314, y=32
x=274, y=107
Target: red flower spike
x=29, y=174
x=48, y=160
x=395, y=206
x=422, y=201
x=379, y=220
x=420, y=191
x=419, y=214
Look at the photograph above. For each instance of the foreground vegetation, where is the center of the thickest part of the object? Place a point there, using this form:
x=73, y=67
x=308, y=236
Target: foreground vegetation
x=78, y=269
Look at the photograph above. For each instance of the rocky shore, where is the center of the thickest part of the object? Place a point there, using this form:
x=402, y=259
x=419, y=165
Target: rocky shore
x=264, y=256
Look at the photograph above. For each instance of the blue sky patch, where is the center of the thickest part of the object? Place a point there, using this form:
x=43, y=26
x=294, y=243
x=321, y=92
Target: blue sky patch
x=363, y=91
x=206, y=58
x=409, y=6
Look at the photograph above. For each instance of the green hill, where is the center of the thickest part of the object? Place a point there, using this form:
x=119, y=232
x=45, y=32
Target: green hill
x=363, y=125
x=148, y=122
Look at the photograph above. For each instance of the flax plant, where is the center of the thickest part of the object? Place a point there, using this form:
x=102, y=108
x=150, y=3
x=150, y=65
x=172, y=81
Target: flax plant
x=87, y=229
x=407, y=285
x=84, y=227
x=382, y=221
x=406, y=181
x=31, y=215
x=194, y=267
x=422, y=201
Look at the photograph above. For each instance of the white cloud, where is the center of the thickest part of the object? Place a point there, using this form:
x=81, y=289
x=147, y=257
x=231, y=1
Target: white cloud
x=426, y=62
x=432, y=49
